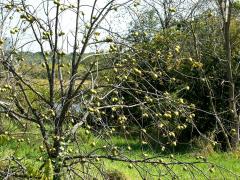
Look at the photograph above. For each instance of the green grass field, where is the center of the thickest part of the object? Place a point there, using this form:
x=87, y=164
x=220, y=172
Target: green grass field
x=225, y=163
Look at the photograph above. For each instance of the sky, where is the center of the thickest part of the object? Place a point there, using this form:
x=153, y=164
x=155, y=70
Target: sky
x=118, y=21
x=115, y=21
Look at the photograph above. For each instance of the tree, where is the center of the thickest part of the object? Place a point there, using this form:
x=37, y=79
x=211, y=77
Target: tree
x=226, y=12
x=197, y=23
x=67, y=109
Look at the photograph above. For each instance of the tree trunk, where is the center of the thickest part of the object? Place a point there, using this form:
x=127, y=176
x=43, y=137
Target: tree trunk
x=57, y=170
x=56, y=166
x=232, y=100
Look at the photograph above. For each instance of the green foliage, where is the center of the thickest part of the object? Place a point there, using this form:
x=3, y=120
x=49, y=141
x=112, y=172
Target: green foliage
x=155, y=83
x=115, y=175
x=33, y=170
x=47, y=171
x=84, y=136
x=236, y=5
x=3, y=139
x=184, y=53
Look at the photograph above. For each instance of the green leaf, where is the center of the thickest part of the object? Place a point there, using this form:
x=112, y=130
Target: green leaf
x=3, y=139
x=48, y=172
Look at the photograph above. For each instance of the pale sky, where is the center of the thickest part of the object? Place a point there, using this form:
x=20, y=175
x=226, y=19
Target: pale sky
x=67, y=21
x=116, y=21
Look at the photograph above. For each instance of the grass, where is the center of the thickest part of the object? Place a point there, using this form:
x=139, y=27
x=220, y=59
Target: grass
x=228, y=161
x=224, y=164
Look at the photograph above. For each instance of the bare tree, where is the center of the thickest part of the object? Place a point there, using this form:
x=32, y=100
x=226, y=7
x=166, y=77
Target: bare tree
x=226, y=12
x=91, y=94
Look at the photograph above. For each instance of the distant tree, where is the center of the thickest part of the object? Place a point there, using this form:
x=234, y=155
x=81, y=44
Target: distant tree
x=198, y=32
